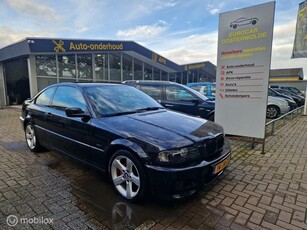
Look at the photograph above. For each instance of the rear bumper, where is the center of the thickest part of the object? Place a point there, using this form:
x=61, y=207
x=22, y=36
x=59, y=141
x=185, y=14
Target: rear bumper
x=176, y=183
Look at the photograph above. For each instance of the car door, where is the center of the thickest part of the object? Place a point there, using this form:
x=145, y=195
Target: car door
x=69, y=134
x=180, y=99
x=38, y=110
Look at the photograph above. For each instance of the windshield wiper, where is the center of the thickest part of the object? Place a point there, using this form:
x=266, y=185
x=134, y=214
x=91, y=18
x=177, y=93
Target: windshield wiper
x=148, y=109
x=131, y=112
x=118, y=114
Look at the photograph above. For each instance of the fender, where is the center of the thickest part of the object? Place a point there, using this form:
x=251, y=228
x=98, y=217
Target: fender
x=212, y=112
x=130, y=145
x=24, y=120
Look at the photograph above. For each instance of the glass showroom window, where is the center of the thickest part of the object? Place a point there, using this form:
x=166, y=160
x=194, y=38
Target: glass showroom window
x=148, y=72
x=45, y=65
x=184, y=79
x=101, y=67
x=138, y=70
x=115, y=67
x=179, y=77
x=43, y=82
x=192, y=76
x=203, y=76
x=67, y=66
x=172, y=77
x=164, y=76
x=196, y=75
x=127, y=67
x=156, y=74
x=85, y=66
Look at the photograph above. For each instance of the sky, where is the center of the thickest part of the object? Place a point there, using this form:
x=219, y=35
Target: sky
x=184, y=31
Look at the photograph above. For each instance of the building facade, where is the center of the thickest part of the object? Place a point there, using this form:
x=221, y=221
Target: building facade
x=293, y=77
x=28, y=66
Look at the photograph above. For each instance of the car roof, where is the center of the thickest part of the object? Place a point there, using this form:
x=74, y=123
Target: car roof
x=84, y=85
x=200, y=83
x=150, y=82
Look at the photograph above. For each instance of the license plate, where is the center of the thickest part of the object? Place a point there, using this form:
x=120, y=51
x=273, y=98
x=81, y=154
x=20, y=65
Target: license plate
x=220, y=166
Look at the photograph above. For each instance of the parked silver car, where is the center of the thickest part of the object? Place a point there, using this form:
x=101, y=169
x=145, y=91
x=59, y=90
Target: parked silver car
x=276, y=107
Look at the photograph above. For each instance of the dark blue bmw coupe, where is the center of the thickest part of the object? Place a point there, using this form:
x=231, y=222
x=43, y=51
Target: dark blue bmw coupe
x=123, y=132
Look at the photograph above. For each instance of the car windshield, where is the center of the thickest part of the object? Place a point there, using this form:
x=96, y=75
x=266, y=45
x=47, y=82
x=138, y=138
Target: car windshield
x=113, y=100
x=285, y=92
x=293, y=89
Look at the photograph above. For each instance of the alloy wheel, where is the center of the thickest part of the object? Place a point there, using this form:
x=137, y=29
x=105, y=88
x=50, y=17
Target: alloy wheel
x=125, y=176
x=271, y=112
x=30, y=137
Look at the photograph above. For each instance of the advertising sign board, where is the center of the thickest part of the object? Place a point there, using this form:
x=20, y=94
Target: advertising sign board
x=243, y=65
x=300, y=41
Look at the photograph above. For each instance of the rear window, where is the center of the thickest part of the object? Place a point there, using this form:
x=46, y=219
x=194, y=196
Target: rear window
x=45, y=97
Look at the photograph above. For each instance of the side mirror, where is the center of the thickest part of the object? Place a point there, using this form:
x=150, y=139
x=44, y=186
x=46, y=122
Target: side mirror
x=76, y=112
x=195, y=101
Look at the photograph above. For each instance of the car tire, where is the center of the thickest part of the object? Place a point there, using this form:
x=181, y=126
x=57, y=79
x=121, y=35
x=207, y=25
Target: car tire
x=254, y=22
x=128, y=176
x=31, y=138
x=272, y=112
x=234, y=26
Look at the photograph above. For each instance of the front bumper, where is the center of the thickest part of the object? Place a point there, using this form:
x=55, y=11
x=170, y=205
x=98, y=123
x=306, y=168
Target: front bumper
x=292, y=106
x=22, y=121
x=284, y=109
x=173, y=183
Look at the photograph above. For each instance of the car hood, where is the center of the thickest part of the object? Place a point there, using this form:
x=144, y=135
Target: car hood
x=285, y=98
x=272, y=99
x=211, y=101
x=164, y=129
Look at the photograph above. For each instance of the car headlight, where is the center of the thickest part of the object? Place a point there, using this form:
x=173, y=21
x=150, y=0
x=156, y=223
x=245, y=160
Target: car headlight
x=285, y=103
x=290, y=101
x=178, y=155
x=223, y=132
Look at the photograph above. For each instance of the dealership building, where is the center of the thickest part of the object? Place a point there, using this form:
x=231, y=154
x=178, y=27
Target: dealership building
x=26, y=67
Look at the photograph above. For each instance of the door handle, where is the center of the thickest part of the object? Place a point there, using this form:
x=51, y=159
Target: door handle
x=168, y=105
x=48, y=114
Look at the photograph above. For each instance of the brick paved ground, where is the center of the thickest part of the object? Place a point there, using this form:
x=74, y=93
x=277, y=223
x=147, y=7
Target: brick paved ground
x=256, y=192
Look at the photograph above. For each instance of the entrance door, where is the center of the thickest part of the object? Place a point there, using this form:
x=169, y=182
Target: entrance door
x=16, y=76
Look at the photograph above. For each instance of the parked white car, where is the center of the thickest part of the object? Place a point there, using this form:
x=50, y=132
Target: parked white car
x=276, y=107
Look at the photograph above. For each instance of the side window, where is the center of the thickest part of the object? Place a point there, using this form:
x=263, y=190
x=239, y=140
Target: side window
x=67, y=97
x=45, y=97
x=196, y=87
x=153, y=91
x=176, y=93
